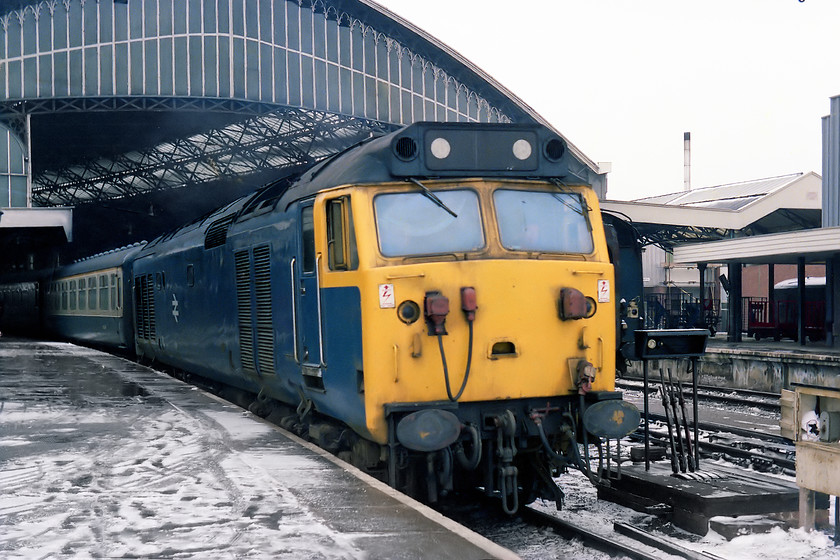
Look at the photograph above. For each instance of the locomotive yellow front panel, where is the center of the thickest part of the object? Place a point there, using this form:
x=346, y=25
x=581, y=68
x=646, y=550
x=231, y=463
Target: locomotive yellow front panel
x=521, y=265
x=521, y=346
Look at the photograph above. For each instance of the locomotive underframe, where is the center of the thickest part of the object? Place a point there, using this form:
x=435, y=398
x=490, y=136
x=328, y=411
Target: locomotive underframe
x=523, y=444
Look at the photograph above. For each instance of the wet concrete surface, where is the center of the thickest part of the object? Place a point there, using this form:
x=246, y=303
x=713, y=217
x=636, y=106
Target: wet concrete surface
x=101, y=457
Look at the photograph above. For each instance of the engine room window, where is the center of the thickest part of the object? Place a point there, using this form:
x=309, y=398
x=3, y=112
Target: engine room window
x=412, y=223
x=545, y=222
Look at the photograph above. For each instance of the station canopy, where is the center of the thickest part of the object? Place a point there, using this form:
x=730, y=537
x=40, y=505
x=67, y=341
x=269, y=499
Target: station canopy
x=736, y=210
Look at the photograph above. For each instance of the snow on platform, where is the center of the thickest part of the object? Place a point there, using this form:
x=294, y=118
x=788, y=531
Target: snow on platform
x=101, y=457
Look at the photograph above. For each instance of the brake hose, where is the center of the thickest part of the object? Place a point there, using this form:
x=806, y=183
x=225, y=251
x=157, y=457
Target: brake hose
x=446, y=369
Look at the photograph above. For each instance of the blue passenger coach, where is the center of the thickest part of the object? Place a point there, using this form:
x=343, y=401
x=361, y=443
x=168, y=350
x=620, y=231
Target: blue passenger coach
x=87, y=300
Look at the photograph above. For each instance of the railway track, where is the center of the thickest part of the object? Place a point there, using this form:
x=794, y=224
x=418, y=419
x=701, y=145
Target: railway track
x=560, y=537
x=744, y=446
x=624, y=535
x=637, y=543
x=751, y=449
x=706, y=393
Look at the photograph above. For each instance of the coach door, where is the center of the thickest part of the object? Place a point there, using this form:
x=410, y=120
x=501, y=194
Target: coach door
x=309, y=350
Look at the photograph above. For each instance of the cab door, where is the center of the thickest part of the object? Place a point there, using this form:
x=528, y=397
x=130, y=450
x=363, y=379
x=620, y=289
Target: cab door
x=308, y=312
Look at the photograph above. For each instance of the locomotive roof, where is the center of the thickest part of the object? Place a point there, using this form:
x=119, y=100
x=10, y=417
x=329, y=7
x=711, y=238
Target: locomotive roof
x=427, y=150
x=424, y=150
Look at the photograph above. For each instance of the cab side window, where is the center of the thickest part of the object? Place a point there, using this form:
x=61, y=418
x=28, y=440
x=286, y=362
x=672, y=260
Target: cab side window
x=341, y=241
x=308, y=237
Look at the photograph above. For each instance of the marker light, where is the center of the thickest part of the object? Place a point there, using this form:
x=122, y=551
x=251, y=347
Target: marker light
x=406, y=148
x=468, y=303
x=574, y=305
x=440, y=148
x=436, y=308
x=522, y=149
x=554, y=149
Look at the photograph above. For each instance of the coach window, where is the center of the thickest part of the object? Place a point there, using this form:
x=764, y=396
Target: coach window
x=341, y=241
x=82, y=294
x=103, y=293
x=114, y=295
x=91, y=284
x=64, y=296
x=72, y=295
x=190, y=275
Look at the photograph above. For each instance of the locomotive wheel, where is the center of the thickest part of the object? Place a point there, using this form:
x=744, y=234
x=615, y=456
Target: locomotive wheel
x=412, y=480
x=529, y=485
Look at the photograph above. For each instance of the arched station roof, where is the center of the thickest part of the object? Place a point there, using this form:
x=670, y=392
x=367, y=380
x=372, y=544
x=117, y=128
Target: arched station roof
x=118, y=98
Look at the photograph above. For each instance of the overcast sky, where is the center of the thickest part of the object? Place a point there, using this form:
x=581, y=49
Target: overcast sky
x=624, y=79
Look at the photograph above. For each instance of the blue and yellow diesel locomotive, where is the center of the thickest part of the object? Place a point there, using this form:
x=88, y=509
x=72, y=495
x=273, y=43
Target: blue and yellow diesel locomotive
x=435, y=305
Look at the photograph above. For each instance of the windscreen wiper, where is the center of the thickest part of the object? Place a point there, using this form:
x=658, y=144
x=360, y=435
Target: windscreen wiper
x=431, y=196
x=583, y=210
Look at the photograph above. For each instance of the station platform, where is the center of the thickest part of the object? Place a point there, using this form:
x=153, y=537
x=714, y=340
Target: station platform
x=102, y=457
x=763, y=365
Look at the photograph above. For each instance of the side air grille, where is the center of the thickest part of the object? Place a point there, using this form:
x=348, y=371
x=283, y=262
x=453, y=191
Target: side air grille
x=243, y=301
x=216, y=234
x=144, y=298
x=265, y=325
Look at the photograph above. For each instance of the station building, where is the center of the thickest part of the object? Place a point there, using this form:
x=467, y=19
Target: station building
x=770, y=205
x=741, y=240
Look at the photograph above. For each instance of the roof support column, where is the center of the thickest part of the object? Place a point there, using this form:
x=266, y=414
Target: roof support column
x=800, y=299
x=772, y=312
x=28, y=160
x=701, y=268
x=831, y=265
x=734, y=331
